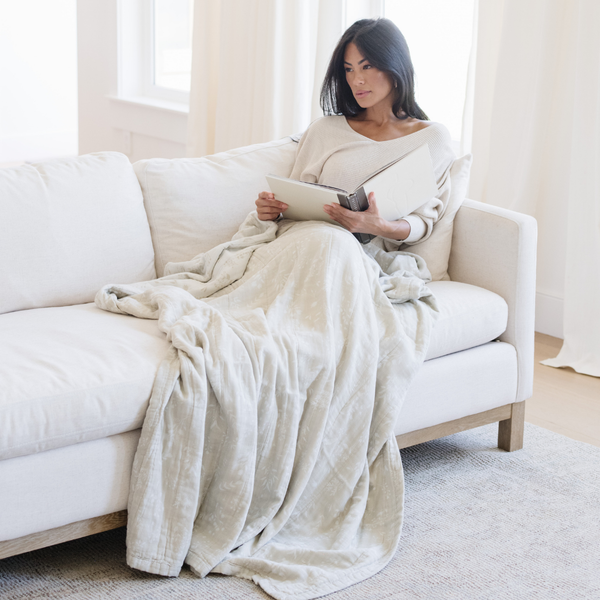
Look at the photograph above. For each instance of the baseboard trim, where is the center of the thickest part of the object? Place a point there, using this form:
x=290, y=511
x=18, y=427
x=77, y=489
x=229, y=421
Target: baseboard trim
x=549, y=315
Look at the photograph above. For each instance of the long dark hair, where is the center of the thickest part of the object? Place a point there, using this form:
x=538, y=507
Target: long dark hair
x=384, y=46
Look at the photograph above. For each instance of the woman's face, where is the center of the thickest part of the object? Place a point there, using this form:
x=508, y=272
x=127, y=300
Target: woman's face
x=369, y=85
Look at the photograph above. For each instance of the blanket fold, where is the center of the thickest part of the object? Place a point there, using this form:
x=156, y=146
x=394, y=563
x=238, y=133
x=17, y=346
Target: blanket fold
x=268, y=449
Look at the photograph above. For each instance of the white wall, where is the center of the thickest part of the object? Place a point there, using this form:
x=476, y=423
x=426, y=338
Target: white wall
x=136, y=128
x=38, y=79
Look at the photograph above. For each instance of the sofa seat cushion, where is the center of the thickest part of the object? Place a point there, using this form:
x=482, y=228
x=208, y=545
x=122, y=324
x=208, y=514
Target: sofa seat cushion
x=469, y=316
x=72, y=374
x=77, y=373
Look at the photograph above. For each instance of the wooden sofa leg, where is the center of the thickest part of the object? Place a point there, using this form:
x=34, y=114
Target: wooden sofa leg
x=510, y=432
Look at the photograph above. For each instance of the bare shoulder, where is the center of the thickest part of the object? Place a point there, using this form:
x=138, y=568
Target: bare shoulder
x=434, y=125
x=404, y=127
x=414, y=125
x=435, y=129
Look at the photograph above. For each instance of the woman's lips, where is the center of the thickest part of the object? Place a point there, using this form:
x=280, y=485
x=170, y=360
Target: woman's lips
x=361, y=94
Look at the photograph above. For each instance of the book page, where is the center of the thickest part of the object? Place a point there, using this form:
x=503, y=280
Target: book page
x=404, y=186
x=370, y=176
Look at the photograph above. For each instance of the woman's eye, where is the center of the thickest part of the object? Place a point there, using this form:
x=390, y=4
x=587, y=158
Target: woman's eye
x=348, y=69
x=367, y=67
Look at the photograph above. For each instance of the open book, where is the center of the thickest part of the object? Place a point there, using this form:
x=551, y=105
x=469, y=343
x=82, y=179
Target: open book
x=400, y=187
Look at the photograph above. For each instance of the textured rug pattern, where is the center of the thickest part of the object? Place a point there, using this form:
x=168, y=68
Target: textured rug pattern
x=480, y=524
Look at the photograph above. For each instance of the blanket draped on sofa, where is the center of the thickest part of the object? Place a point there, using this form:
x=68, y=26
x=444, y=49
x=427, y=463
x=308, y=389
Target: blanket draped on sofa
x=268, y=448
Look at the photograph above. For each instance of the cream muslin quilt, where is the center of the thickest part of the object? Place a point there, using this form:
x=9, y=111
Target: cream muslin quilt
x=268, y=448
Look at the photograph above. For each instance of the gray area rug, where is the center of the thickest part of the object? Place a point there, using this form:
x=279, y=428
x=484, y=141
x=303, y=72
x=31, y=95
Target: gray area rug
x=480, y=524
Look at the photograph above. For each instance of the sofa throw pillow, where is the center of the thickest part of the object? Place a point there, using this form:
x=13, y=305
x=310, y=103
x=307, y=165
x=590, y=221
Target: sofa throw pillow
x=436, y=248
x=194, y=204
x=69, y=227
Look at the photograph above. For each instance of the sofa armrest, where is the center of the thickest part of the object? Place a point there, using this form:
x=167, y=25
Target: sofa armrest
x=495, y=248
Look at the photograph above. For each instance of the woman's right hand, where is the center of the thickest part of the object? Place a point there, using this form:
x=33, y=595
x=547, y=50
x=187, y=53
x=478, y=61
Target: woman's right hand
x=267, y=208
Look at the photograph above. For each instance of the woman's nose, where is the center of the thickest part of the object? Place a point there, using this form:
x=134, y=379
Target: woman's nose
x=358, y=79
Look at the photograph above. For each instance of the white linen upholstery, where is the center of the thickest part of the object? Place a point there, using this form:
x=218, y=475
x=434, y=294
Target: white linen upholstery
x=460, y=384
x=73, y=374
x=69, y=227
x=65, y=485
x=495, y=248
x=436, y=248
x=194, y=204
x=469, y=316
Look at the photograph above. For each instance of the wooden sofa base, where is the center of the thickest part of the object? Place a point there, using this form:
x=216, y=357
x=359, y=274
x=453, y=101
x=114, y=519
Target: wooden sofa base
x=72, y=531
x=511, y=419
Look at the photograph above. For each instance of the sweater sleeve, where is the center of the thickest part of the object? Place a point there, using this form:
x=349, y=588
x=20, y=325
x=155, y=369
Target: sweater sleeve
x=418, y=228
x=308, y=153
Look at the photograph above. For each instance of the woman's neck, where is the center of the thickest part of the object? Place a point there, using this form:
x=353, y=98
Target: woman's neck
x=380, y=124
x=380, y=116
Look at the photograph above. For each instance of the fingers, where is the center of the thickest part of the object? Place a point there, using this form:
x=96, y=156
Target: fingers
x=372, y=203
x=268, y=208
x=340, y=214
x=366, y=221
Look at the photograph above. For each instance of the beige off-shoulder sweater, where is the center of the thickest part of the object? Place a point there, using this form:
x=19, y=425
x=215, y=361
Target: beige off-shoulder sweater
x=332, y=153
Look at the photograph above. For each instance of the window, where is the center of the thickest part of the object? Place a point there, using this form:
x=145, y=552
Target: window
x=439, y=34
x=171, y=48
x=155, y=51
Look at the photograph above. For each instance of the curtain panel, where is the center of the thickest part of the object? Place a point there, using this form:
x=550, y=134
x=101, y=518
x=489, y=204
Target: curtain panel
x=536, y=147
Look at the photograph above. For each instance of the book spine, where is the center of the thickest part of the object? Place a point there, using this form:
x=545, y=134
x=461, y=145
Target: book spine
x=357, y=202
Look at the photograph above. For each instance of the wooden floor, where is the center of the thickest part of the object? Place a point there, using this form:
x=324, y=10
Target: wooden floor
x=563, y=401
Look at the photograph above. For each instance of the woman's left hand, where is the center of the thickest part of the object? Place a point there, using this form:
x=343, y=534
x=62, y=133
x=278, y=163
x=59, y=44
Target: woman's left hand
x=368, y=221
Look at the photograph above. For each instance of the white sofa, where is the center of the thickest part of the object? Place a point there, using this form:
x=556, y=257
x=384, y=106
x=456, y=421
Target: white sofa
x=75, y=381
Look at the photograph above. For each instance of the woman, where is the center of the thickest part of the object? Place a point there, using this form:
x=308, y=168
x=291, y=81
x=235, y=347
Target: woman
x=369, y=93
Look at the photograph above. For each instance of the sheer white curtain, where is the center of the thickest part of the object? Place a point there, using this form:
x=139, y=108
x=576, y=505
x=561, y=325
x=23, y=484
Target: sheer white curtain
x=257, y=67
x=536, y=147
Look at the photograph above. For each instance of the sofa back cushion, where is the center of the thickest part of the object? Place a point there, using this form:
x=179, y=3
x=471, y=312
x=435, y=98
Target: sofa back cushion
x=194, y=204
x=68, y=227
x=436, y=248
